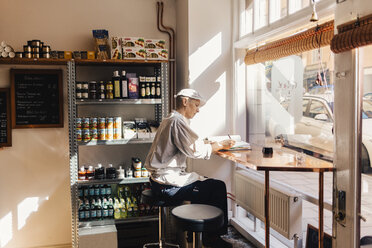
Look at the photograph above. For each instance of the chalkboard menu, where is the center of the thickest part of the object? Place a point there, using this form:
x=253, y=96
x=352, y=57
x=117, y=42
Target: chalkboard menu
x=5, y=131
x=312, y=239
x=36, y=98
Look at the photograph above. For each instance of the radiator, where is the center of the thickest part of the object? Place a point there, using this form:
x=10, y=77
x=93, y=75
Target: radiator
x=285, y=206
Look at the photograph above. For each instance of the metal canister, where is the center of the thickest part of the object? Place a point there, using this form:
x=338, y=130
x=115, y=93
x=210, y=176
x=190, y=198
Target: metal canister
x=27, y=49
x=93, y=134
x=79, y=134
x=86, y=135
x=28, y=55
x=61, y=54
x=79, y=123
x=117, y=128
x=46, y=49
x=102, y=128
x=19, y=55
x=109, y=128
x=35, y=55
x=85, y=123
x=93, y=122
x=45, y=55
x=102, y=134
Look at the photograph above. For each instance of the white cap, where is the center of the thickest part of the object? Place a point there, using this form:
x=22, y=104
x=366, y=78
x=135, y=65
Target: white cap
x=192, y=94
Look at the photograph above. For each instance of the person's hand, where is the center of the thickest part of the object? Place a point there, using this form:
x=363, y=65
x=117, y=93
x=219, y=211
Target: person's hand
x=225, y=144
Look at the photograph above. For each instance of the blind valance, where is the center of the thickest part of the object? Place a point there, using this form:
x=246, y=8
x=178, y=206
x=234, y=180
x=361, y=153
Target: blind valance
x=310, y=39
x=353, y=34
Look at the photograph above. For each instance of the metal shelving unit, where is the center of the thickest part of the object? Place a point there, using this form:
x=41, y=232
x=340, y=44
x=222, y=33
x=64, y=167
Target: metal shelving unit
x=161, y=108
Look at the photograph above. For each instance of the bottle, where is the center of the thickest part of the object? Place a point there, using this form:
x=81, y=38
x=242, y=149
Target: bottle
x=117, y=85
x=96, y=190
x=110, y=208
x=80, y=192
x=99, y=172
x=148, y=90
x=99, y=209
x=101, y=90
x=120, y=173
x=158, y=87
x=123, y=209
x=105, y=209
x=108, y=190
x=142, y=85
x=91, y=191
x=90, y=173
x=117, y=209
x=102, y=190
x=81, y=211
x=110, y=172
x=124, y=85
x=86, y=191
x=153, y=90
x=82, y=173
x=109, y=90
x=87, y=209
x=93, y=210
x=129, y=173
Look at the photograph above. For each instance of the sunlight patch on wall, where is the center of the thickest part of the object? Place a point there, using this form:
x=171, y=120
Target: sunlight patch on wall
x=204, y=56
x=212, y=117
x=6, y=229
x=25, y=208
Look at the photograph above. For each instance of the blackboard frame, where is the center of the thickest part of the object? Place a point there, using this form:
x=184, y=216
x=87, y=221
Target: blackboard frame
x=314, y=230
x=58, y=73
x=8, y=119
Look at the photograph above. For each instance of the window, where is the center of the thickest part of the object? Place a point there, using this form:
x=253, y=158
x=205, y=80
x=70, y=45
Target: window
x=318, y=108
x=260, y=13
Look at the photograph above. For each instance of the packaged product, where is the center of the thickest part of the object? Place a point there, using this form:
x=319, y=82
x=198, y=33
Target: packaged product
x=129, y=130
x=156, y=54
x=116, y=51
x=134, y=53
x=101, y=43
x=154, y=44
x=133, y=42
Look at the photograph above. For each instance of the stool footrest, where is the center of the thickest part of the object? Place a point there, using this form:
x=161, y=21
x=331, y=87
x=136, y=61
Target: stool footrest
x=156, y=245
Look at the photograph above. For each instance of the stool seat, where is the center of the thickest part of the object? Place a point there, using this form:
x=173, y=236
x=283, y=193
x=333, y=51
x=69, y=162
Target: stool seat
x=198, y=217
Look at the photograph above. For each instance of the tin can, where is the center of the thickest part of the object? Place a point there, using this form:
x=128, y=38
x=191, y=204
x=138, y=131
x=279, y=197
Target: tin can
x=102, y=134
x=84, y=94
x=77, y=55
x=79, y=134
x=86, y=135
x=101, y=123
x=35, y=49
x=137, y=173
x=61, y=54
x=35, y=55
x=79, y=94
x=93, y=134
x=85, y=85
x=79, y=85
x=79, y=123
x=117, y=128
x=117, y=133
x=45, y=55
x=27, y=48
x=54, y=54
x=85, y=122
x=19, y=55
x=117, y=122
x=35, y=43
x=28, y=55
x=93, y=123
x=84, y=54
x=109, y=128
x=46, y=49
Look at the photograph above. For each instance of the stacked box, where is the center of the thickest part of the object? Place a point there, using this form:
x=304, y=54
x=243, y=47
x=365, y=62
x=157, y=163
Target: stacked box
x=134, y=53
x=116, y=50
x=133, y=42
x=154, y=44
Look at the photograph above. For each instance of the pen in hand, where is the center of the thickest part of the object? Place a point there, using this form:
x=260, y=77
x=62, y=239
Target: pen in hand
x=229, y=136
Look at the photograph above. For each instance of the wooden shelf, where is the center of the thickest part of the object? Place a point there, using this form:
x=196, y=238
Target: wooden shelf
x=86, y=62
x=115, y=181
x=24, y=61
x=115, y=142
x=117, y=101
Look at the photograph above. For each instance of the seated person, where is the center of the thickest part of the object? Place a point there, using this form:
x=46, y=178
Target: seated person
x=173, y=144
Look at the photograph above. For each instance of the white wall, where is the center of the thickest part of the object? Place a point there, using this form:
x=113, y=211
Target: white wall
x=210, y=73
x=34, y=180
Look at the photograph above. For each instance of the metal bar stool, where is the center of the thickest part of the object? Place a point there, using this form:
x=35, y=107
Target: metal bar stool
x=148, y=197
x=198, y=218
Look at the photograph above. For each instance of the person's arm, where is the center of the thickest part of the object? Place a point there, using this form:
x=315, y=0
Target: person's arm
x=188, y=143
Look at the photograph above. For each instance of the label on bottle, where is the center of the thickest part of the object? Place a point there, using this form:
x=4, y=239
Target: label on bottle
x=96, y=191
x=124, y=88
x=111, y=212
x=105, y=213
x=108, y=190
x=117, y=88
x=91, y=191
x=143, y=92
x=81, y=215
x=93, y=213
x=99, y=213
x=87, y=214
x=103, y=191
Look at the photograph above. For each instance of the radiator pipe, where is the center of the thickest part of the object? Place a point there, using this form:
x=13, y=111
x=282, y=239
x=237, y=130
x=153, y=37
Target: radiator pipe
x=171, y=33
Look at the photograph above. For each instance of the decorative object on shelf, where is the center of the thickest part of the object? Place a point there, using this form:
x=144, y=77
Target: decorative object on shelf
x=6, y=50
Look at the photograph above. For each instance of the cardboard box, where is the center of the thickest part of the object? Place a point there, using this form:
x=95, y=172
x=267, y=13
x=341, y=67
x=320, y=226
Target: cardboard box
x=116, y=51
x=133, y=42
x=156, y=54
x=134, y=53
x=154, y=44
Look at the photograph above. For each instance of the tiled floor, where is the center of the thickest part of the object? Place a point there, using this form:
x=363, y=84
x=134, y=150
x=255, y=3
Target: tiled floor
x=236, y=239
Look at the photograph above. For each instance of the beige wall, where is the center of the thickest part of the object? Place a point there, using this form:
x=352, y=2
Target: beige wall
x=34, y=179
